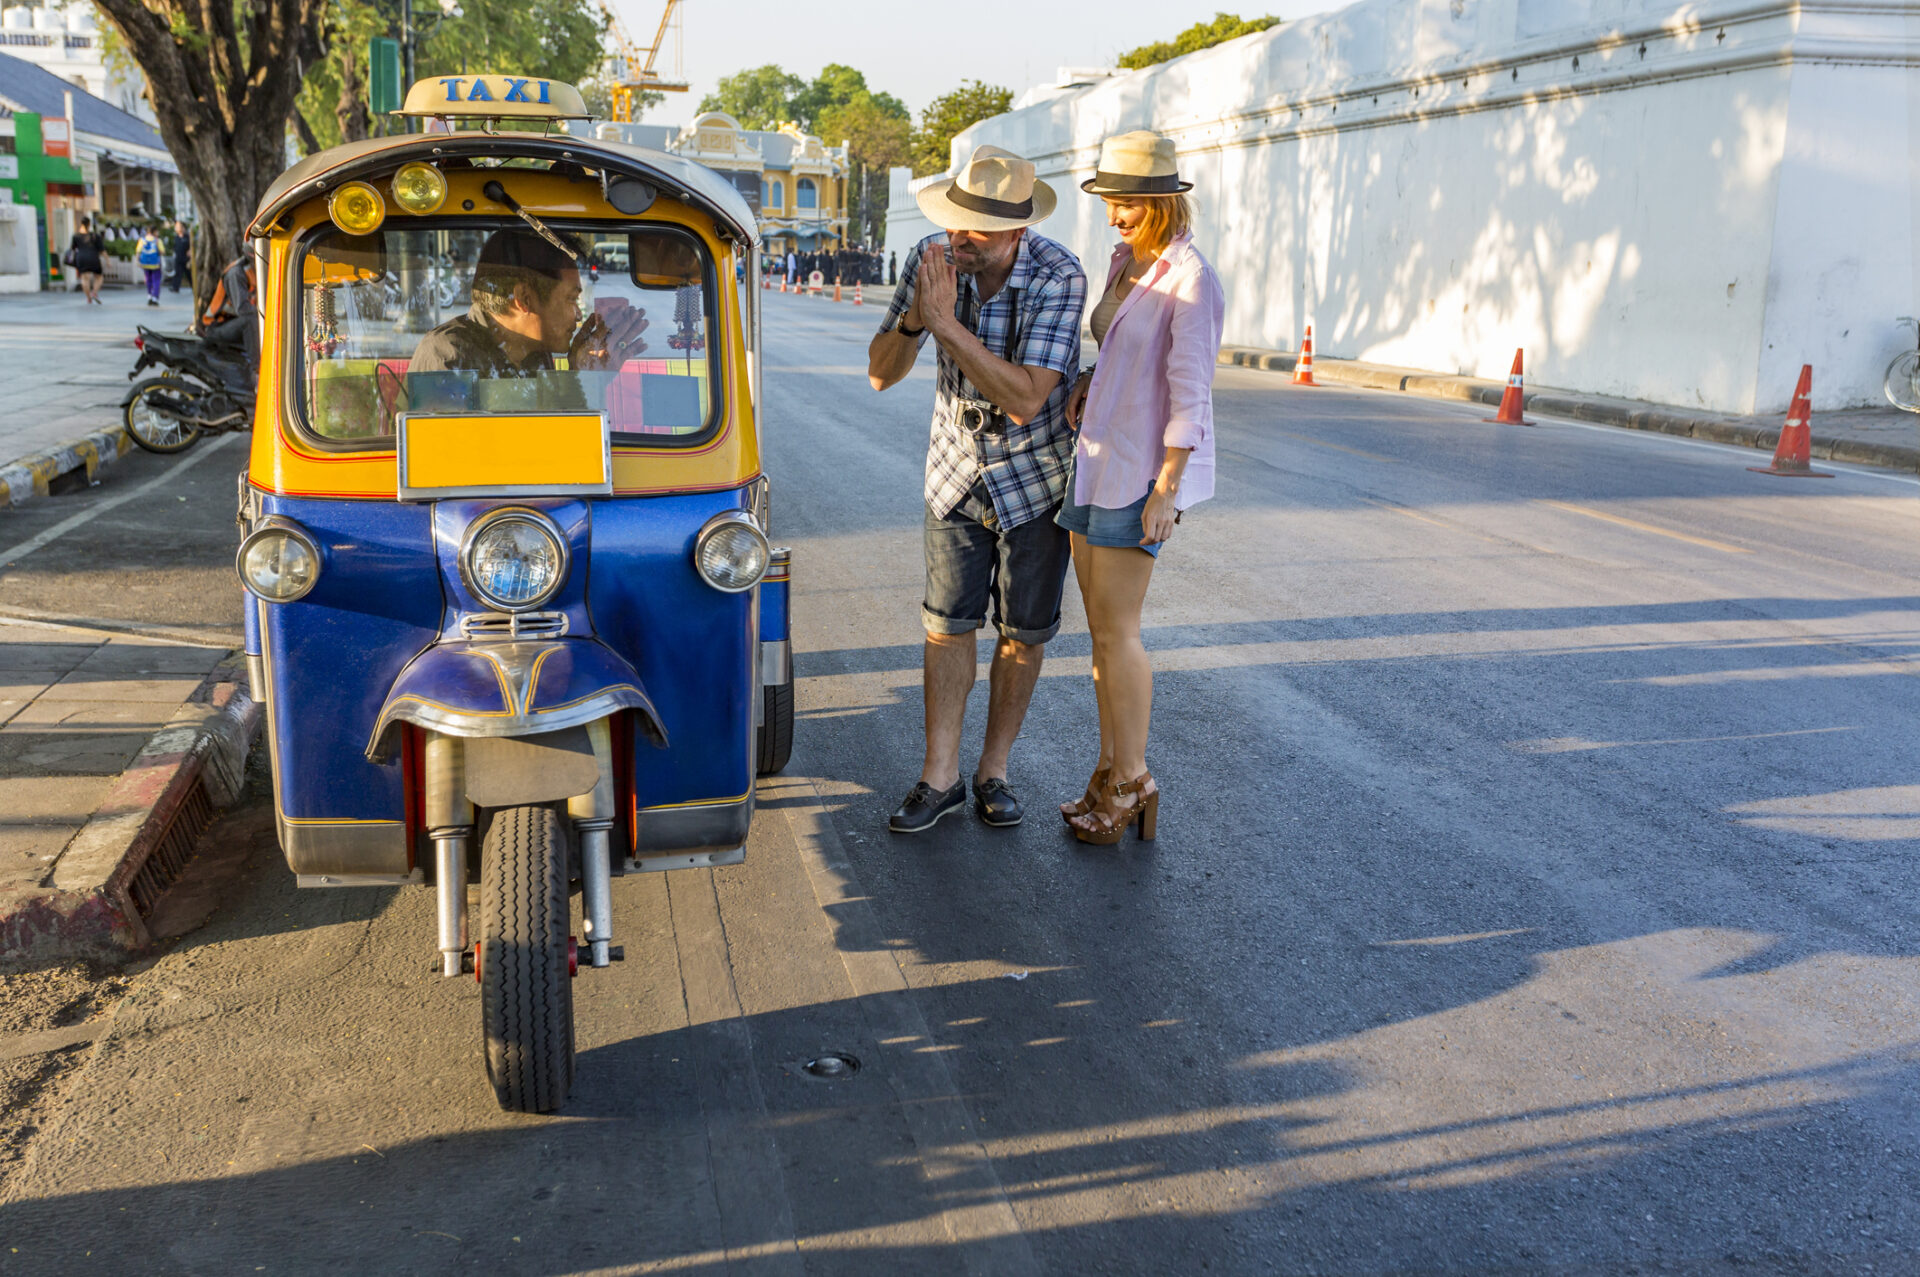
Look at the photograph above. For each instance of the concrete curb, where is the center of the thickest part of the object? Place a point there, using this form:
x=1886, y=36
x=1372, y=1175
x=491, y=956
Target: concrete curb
x=1602, y=410
x=35, y=474
x=96, y=899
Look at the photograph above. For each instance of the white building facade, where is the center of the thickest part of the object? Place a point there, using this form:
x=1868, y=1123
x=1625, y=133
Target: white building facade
x=1680, y=204
x=68, y=42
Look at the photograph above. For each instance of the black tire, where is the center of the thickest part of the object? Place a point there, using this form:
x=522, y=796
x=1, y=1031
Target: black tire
x=526, y=990
x=775, y=742
x=151, y=429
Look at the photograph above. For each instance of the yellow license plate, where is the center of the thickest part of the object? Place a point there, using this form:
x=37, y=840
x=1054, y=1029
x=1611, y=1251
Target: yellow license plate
x=553, y=454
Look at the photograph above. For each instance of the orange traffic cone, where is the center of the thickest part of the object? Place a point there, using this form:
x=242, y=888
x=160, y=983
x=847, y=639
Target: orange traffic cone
x=1303, y=370
x=1512, y=402
x=858, y=298
x=783, y=283
x=1793, y=456
x=766, y=282
x=836, y=288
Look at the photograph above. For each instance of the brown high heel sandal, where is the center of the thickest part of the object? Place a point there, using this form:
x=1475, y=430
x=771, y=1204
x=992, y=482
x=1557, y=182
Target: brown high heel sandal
x=1099, y=782
x=1146, y=810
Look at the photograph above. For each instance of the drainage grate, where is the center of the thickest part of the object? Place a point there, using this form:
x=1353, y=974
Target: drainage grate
x=172, y=851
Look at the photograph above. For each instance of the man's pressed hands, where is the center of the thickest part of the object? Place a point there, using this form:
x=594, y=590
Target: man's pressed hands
x=610, y=336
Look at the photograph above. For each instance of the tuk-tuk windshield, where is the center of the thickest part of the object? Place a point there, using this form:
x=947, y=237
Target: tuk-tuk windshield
x=495, y=319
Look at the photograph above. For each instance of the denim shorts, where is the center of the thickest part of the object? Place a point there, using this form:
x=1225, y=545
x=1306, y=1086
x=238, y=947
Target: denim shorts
x=1117, y=529
x=970, y=561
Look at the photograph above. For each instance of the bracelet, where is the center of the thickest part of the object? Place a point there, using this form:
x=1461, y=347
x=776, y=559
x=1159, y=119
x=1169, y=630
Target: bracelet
x=905, y=331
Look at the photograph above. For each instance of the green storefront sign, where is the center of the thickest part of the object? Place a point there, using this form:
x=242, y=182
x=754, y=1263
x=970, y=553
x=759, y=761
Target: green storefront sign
x=31, y=172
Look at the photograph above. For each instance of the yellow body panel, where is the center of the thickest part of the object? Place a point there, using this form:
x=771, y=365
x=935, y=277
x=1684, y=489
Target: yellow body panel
x=464, y=453
x=285, y=462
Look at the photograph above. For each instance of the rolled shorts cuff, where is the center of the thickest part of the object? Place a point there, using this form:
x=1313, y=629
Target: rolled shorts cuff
x=935, y=624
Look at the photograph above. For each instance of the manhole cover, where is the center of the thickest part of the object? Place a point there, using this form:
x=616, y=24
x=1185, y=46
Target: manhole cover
x=832, y=1067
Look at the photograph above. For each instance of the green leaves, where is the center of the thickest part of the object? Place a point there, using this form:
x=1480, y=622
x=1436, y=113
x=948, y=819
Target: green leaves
x=948, y=115
x=1201, y=35
x=758, y=97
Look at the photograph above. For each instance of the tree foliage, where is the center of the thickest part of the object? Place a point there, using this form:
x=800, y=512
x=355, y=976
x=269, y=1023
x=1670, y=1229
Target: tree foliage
x=222, y=78
x=950, y=114
x=758, y=97
x=1201, y=35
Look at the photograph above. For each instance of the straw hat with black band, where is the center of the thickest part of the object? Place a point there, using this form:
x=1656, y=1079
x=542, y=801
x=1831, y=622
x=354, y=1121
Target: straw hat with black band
x=1137, y=163
x=995, y=191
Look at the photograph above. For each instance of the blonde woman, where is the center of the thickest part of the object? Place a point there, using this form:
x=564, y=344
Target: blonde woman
x=1144, y=412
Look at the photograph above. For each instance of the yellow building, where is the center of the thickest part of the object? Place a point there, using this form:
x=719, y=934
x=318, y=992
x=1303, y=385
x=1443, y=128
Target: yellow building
x=796, y=183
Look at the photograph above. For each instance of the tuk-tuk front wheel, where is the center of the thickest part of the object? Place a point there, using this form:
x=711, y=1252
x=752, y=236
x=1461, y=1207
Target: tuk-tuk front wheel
x=526, y=990
x=152, y=429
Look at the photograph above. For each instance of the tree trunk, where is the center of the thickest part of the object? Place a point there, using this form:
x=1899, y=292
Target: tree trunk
x=223, y=92
x=356, y=124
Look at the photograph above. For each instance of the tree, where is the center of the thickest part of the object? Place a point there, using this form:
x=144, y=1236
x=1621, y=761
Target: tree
x=222, y=78
x=1201, y=35
x=759, y=98
x=878, y=132
x=838, y=86
x=332, y=107
x=948, y=115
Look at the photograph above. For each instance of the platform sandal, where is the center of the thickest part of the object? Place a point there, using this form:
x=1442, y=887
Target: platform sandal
x=1145, y=809
x=1099, y=782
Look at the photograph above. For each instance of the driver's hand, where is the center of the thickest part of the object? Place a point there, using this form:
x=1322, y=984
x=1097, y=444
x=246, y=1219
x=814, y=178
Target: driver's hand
x=600, y=344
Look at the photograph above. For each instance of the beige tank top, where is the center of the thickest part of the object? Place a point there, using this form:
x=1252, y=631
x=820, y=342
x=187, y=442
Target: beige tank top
x=1109, y=304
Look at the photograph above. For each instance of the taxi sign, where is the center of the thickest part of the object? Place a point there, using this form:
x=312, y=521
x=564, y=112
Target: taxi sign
x=519, y=97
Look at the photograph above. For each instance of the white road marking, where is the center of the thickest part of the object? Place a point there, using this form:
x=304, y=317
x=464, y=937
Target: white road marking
x=60, y=529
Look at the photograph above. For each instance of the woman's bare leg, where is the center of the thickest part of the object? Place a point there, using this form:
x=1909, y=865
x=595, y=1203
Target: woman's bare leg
x=1081, y=570
x=1115, y=590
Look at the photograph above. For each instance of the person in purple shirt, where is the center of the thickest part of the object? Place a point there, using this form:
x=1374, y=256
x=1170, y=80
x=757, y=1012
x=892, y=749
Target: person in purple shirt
x=1144, y=453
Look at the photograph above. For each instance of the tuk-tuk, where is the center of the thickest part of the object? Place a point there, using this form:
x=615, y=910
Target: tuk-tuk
x=514, y=615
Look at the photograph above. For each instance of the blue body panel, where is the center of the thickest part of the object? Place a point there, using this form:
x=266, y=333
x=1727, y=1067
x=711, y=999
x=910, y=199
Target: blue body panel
x=332, y=655
x=692, y=645
x=773, y=609
x=390, y=588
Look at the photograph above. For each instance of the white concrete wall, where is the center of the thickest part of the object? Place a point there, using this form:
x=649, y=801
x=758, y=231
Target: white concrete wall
x=1714, y=194
x=19, y=249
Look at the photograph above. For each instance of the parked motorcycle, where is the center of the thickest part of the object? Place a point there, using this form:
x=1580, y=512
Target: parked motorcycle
x=206, y=388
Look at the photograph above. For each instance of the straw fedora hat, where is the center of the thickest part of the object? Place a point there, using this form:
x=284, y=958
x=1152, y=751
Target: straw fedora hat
x=996, y=191
x=1137, y=163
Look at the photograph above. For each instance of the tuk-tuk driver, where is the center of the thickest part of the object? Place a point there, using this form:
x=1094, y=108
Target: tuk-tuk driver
x=526, y=310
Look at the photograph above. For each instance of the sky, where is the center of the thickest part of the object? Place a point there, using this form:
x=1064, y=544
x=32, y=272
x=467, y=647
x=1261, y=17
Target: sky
x=917, y=53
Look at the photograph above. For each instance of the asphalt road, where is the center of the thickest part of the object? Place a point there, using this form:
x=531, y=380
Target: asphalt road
x=1534, y=894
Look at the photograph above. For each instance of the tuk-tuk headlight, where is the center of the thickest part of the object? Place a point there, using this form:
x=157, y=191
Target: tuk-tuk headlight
x=731, y=553
x=357, y=209
x=419, y=188
x=279, y=562
x=514, y=560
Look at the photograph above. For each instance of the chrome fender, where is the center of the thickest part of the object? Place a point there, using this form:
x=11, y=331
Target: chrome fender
x=515, y=688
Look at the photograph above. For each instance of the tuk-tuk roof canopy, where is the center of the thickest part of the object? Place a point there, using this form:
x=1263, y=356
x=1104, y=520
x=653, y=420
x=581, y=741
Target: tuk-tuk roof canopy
x=674, y=175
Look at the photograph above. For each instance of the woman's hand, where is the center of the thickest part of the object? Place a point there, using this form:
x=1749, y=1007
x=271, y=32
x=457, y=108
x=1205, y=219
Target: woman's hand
x=1077, y=400
x=1157, y=519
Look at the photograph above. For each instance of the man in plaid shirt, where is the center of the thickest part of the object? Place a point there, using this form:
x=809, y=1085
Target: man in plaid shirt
x=1004, y=306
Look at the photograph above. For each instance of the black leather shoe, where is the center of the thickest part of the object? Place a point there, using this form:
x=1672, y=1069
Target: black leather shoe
x=926, y=805
x=996, y=802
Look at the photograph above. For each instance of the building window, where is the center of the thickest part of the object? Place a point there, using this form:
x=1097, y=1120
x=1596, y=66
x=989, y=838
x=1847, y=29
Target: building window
x=807, y=194
x=776, y=195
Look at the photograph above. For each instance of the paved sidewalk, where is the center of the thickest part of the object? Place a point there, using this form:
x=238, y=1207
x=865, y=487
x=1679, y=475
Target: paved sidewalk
x=63, y=369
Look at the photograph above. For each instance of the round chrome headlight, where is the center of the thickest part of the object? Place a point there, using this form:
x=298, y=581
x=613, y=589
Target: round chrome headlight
x=731, y=553
x=514, y=560
x=279, y=562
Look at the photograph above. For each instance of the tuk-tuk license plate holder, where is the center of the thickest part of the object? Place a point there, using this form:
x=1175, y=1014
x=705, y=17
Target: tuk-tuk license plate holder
x=444, y=455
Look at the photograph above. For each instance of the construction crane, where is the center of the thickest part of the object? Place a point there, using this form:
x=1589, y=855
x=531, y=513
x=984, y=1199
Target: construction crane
x=630, y=65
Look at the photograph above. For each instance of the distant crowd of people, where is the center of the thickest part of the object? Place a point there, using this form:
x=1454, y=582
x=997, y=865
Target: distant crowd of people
x=847, y=266
x=166, y=260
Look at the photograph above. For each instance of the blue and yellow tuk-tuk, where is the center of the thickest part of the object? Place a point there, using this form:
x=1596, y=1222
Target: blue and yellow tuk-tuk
x=514, y=614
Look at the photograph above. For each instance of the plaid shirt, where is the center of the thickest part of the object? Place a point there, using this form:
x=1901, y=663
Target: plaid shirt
x=1025, y=468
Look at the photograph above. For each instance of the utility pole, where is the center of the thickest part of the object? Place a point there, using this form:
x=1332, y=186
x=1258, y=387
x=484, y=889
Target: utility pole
x=406, y=55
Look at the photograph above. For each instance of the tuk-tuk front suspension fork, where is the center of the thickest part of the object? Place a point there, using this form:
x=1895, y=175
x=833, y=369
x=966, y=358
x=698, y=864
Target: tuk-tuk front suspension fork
x=593, y=815
x=450, y=825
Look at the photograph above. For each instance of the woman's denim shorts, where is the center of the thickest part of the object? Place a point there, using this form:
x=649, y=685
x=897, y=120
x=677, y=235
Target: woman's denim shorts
x=1117, y=529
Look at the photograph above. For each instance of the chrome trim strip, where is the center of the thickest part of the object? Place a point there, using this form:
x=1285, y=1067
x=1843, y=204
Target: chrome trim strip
x=776, y=663
x=694, y=860
x=455, y=723
x=505, y=626
x=693, y=828
x=343, y=849
x=413, y=879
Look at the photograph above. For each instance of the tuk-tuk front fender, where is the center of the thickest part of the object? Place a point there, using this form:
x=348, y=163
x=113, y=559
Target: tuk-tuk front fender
x=514, y=688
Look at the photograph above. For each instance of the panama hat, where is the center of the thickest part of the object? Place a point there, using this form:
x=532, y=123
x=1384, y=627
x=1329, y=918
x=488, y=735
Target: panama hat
x=1137, y=163
x=996, y=191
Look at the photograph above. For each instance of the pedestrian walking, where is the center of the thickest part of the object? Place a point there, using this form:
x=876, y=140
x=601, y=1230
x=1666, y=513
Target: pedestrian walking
x=793, y=268
x=1003, y=304
x=182, y=257
x=893, y=267
x=84, y=254
x=1143, y=455
x=151, y=256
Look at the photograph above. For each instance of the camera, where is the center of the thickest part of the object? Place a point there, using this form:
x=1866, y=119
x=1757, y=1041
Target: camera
x=978, y=417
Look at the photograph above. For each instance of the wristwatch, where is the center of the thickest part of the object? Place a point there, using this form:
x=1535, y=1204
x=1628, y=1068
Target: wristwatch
x=900, y=326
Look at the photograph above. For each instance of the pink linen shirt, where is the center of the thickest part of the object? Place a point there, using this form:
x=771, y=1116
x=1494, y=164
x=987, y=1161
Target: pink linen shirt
x=1153, y=384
